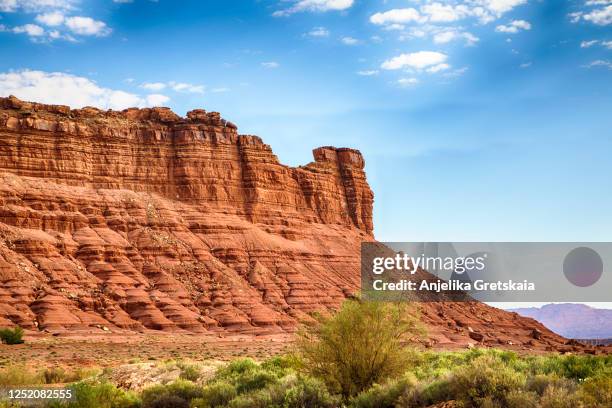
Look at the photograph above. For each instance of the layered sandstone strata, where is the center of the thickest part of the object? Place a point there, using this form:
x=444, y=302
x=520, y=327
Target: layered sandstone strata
x=143, y=220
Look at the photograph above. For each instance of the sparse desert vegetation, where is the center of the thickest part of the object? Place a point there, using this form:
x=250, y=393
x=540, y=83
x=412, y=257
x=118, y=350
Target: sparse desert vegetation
x=475, y=378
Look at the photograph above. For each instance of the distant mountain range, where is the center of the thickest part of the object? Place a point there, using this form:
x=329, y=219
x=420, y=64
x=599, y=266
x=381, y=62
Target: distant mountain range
x=572, y=320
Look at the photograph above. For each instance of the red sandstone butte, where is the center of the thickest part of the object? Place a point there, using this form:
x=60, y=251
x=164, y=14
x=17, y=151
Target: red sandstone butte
x=141, y=219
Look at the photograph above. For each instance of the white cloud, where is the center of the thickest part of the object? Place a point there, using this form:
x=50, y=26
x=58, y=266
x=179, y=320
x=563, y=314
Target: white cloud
x=525, y=65
x=349, y=41
x=370, y=72
x=447, y=36
x=153, y=86
x=588, y=44
x=601, y=16
x=318, y=32
x=270, y=64
x=407, y=82
x=455, y=73
x=396, y=16
x=51, y=19
x=599, y=63
x=417, y=60
x=32, y=30
x=513, y=27
x=470, y=39
x=500, y=7
x=32, y=6
x=220, y=90
x=87, y=26
x=316, y=6
x=438, y=68
x=156, y=99
x=607, y=44
x=444, y=11
x=183, y=87
x=67, y=89
x=186, y=87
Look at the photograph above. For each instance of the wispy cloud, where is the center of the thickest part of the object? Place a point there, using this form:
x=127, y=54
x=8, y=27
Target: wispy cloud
x=407, y=82
x=369, y=72
x=449, y=35
x=317, y=32
x=32, y=6
x=270, y=64
x=594, y=13
x=173, y=85
x=349, y=41
x=416, y=60
x=513, y=27
x=599, y=63
x=153, y=86
x=314, y=6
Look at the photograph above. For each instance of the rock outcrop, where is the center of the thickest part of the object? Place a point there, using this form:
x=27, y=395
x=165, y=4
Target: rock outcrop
x=143, y=220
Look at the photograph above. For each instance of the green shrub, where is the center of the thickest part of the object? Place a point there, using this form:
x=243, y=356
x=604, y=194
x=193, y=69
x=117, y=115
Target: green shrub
x=576, y=367
x=101, y=395
x=13, y=336
x=360, y=345
x=183, y=389
x=559, y=397
x=190, y=372
x=308, y=392
x=522, y=399
x=284, y=364
x=168, y=401
x=486, y=381
x=597, y=391
x=291, y=392
x=541, y=382
x=214, y=395
x=385, y=395
x=238, y=367
x=19, y=375
x=426, y=394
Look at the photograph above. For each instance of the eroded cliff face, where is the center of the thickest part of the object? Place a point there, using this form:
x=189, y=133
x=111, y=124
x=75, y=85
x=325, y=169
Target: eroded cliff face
x=143, y=219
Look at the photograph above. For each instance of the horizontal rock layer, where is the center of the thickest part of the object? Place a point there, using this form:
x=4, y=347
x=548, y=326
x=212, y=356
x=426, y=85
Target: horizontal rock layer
x=141, y=219
x=144, y=220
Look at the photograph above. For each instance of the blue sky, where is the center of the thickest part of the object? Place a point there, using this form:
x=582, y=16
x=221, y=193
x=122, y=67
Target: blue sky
x=479, y=119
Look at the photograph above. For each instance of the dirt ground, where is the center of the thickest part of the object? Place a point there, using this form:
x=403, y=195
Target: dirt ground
x=111, y=350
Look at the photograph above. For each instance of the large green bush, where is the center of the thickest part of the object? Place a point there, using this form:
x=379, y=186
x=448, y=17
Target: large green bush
x=359, y=346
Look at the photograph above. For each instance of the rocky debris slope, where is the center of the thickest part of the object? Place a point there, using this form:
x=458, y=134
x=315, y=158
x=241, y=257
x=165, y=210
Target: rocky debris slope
x=143, y=220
